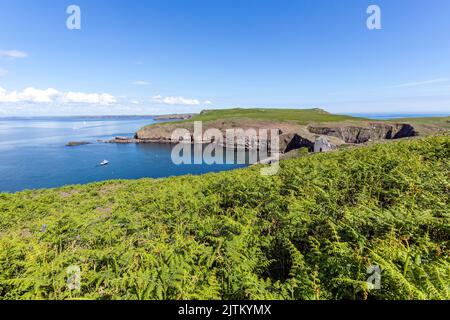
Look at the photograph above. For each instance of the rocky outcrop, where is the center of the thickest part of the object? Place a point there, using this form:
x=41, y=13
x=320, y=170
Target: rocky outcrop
x=363, y=134
x=174, y=117
x=76, y=143
x=292, y=136
x=293, y=141
x=123, y=140
x=156, y=133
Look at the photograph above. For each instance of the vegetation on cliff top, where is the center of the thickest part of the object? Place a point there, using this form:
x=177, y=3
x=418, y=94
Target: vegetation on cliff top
x=309, y=232
x=299, y=116
x=442, y=122
x=304, y=116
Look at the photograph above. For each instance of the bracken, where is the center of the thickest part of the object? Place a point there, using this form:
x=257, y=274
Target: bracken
x=309, y=232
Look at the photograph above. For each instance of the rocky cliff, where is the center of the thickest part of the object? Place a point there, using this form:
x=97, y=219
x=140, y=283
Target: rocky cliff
x=292, y=136
x=362, y=134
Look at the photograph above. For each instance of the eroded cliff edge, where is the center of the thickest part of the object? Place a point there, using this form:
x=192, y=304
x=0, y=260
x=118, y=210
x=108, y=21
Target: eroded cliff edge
x=292, y=135
x=297, y=128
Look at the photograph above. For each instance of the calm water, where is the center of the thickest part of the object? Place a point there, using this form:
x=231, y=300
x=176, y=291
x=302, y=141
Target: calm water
x=33, y=153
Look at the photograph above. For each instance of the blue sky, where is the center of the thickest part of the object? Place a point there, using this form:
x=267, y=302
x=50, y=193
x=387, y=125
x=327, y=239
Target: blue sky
x=164, y=56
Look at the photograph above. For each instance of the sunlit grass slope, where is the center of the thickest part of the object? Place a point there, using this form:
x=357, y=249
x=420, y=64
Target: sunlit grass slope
x=302, y=116
x=309, y=232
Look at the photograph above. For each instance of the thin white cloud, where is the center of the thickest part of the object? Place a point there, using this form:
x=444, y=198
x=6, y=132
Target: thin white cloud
x=421, y=83
x=51, y=95
x=29, y=94
x=89, y=98
x=13, y=54
x=134, y=102
x=3, y=72
x=208, y=102
x=141, y=83
x=176, y=101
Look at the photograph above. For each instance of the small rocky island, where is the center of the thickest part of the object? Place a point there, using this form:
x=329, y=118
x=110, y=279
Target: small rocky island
x=77, y=143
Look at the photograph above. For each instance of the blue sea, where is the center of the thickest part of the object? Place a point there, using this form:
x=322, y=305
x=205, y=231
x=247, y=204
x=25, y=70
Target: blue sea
x=33, y=153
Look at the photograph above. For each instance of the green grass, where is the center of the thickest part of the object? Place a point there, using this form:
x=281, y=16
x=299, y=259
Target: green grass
x=309, y=232
x=301, y=116
x=443, y=122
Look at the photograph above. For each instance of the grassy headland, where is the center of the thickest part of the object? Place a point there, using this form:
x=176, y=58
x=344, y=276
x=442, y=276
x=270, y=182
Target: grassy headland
x=309, y=232
x=299, y=125
x=300, y=116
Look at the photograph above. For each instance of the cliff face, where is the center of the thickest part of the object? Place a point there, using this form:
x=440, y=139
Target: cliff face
x=157, y=133
x=292, y=136
x=293, y=141
x=362, y=134
x=163, y=132
x=174, y=117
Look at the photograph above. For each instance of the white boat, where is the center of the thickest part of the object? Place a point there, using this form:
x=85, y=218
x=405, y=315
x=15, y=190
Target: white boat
x=104, y=162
